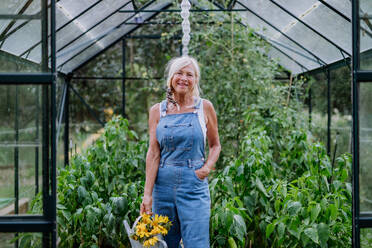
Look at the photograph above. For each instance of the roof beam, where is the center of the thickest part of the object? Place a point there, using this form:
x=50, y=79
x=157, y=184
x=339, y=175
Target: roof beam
x=320, y=61
x=309, y=27
x=178, y=10
x=335, y=10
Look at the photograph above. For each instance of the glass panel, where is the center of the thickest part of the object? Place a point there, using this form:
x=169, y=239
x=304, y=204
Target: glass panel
x=288, y=46
x=365, y=34
x=365, y=147
x=20, y=146
x=12, y=63
x=313, y=42
x=294, y=29
x=32, y=9
x=33, y=240
x=366, y=237
x=107, y=38
x=344, y=6
x=285, y=61
x=270, y=12
x=20, y=41
x=338, y=30
x=319, y=106
x=69, y=9
x=94, y=49
x=11, y=6
x=88, y=21
x=17, y=44
x=341, y=111
x=298, y=7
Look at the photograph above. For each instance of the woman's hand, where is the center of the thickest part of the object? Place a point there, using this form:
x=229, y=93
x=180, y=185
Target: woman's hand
x=146, y=205
x=203, y=172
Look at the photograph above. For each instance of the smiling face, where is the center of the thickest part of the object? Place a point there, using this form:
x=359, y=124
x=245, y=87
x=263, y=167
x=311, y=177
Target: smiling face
x=183, y=80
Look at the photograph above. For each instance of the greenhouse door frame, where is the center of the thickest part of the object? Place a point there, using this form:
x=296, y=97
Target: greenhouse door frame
x=360, y=219
x=46, y=79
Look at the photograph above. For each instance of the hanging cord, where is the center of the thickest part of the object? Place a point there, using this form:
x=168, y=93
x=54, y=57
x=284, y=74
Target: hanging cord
x=185, y=7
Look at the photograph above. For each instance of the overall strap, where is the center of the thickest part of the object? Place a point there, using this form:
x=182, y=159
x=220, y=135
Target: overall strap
x=198, y=103
x=163, y=108
x=200, y=111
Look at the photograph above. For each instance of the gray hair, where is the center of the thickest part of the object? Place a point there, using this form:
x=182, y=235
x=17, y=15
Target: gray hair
x=178, y=63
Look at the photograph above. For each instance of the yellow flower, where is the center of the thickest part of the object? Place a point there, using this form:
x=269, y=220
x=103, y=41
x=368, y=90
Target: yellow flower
x=150, y=242
x=163, y=230
x=141, y=230
x=163, y=219
x=155, y=220
x=156, y=230
x=146, y=219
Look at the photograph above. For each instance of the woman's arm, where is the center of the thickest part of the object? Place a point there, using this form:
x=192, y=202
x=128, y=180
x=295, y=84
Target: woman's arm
x=152, y=161
x=213, y=140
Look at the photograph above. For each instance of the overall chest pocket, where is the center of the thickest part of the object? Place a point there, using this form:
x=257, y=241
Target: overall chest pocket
x=179, y=136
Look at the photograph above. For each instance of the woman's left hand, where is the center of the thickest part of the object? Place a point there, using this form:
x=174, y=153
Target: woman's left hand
x=203, y=172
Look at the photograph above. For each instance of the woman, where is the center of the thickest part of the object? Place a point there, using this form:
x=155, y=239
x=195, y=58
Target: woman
x=176, y=170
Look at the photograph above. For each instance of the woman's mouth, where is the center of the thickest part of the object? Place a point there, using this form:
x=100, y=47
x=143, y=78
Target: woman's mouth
x=183, y=85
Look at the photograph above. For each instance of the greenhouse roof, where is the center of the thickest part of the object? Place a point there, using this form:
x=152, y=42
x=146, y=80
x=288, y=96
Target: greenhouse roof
x=304, y=34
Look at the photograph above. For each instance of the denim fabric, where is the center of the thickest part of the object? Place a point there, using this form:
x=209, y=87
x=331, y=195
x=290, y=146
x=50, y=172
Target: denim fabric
x=178, y=192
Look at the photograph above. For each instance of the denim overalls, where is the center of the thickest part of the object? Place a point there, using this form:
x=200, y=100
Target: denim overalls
x=178, y=192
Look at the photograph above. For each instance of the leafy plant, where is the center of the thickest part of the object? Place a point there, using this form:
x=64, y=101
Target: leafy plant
x=98, y=190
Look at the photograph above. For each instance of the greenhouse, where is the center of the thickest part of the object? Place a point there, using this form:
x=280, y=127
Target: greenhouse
x=289, y=80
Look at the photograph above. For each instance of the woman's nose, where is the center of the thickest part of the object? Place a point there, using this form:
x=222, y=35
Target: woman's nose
x=183, y=76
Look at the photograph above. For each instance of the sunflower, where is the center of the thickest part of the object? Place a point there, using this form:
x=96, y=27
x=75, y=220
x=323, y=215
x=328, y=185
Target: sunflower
x=151, y=242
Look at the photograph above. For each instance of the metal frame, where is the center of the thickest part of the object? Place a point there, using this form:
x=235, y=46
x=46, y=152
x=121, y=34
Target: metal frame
x=360, y=219
x=45, y=223
x=178, y=10
x=123, y=62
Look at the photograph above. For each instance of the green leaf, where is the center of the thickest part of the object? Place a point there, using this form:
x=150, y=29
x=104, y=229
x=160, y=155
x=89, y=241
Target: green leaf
x=269, y=229
x=323, y=234
x=293, y=208
x=281, y=229
x=82, y=193
x=261, y=187
x=240, y=228
x=312, y=234
x=315, y=210
x=277, y=205
x=334, y=211
x=232, y=243
x=294, y=230
x=60, y=207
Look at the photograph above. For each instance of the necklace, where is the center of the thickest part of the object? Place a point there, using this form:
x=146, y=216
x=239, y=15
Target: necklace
x=185, y=107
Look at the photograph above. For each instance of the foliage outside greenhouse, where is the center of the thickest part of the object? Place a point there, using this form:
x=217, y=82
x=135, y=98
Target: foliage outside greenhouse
x=274, y=185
